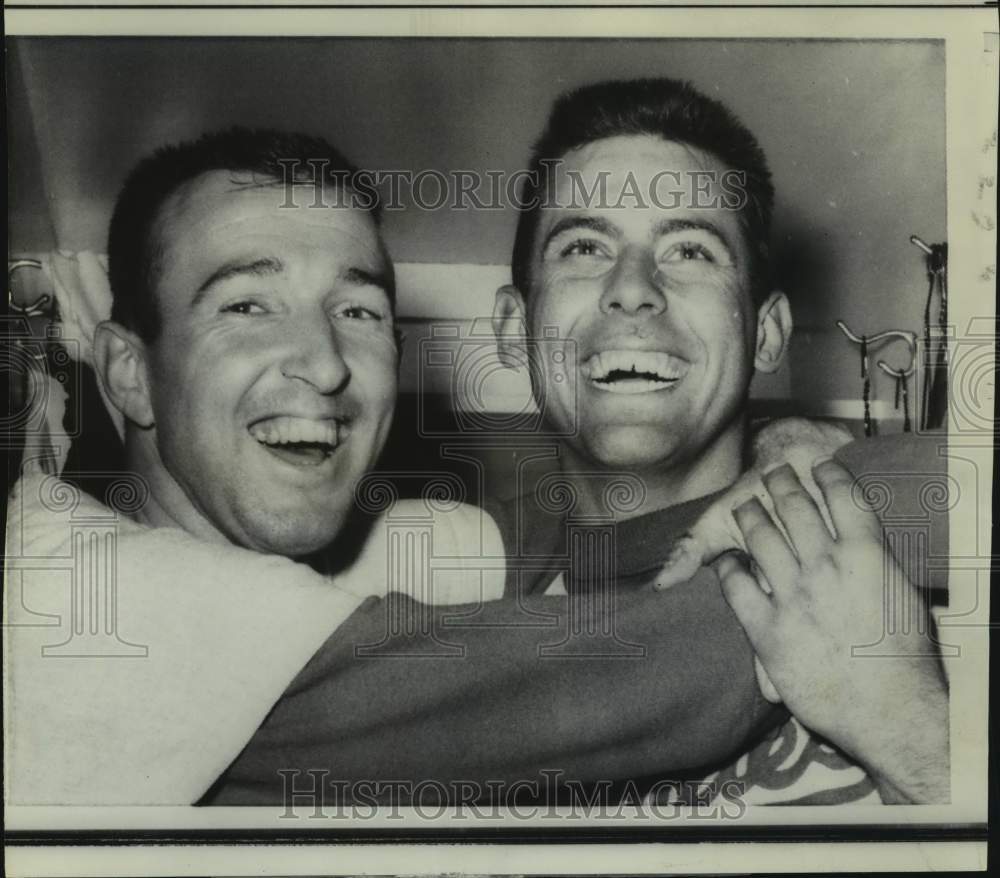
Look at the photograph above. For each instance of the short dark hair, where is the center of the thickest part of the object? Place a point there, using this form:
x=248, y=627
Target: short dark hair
x=133, y=251
x=667, y=108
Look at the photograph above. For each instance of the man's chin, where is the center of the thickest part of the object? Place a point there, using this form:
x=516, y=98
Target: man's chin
x=292, y=536
x=632, y=447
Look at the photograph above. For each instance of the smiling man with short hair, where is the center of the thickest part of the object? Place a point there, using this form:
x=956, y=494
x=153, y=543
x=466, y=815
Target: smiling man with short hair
x=657, y=309
x=261, y=384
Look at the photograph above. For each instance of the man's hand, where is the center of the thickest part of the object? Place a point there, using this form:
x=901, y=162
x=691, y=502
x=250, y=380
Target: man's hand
x=794, y=441
x=812, y=597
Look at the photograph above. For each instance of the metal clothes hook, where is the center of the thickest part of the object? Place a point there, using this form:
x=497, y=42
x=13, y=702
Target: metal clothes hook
x=896, y=373
x=902, y=389
x=900, y=375
x=37, y=308
x=910, y=338
x=866, y=386
x=33, y=309
x=934, y=396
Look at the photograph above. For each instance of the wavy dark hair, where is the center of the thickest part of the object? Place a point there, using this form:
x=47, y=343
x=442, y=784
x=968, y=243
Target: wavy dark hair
x=667, y=108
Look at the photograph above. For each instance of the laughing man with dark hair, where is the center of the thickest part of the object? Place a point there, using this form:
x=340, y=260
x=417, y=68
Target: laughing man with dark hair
x=665, y=312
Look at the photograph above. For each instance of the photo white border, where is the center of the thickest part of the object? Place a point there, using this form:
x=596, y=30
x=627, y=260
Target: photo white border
x=971, y=101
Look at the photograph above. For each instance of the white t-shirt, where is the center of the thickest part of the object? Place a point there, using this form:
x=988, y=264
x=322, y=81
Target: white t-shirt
x=139, y=661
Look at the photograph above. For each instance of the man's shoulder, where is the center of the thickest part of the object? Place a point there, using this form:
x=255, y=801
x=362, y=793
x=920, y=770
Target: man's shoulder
x=51, y=516
x=461, y=544
x=897, y=454
x=526, y=525
x=43, y=510
x=538, y=538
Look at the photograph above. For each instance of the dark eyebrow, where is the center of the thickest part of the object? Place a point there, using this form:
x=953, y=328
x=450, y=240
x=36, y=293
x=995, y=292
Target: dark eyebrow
x=593, y=223
x=364, y=278
x=669, y=226
x=268, y=265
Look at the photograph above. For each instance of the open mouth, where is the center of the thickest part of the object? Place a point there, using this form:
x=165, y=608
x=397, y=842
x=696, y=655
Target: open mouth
x=298, y=441
x=634, y=371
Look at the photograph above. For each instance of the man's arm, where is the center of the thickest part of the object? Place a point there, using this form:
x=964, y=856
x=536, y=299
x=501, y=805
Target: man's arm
x=814, y=598
x=902, y=465
x=511, y=706
x=507, y=711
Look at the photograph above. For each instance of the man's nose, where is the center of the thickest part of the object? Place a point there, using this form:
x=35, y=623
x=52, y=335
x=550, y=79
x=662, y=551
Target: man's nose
x=631, y=287
x=312, y=354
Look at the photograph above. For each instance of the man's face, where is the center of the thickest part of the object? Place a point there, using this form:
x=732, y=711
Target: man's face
x=655, y=300
x=273, y=381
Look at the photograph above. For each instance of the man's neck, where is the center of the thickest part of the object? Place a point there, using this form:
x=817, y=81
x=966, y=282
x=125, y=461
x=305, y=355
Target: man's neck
x=166, y=505
x=667, y=484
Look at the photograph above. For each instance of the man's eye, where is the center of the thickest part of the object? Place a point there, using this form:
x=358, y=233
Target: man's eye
x=358, y=312
x=688, y=252
x=583, y=247
x=243, y=307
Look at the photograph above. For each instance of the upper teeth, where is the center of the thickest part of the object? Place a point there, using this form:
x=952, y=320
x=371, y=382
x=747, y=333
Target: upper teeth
x=664, y=367
x=281, y=431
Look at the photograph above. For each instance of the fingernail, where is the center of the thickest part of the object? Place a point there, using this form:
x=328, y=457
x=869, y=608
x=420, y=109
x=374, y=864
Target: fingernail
x=743, y=505
x=659, y=584
x=724, y=564
x=785, y=469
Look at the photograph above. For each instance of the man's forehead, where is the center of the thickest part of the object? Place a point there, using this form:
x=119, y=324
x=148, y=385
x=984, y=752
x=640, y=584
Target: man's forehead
x=636, y=153
x=638, y=181
x=222, y=203
x=218, y=193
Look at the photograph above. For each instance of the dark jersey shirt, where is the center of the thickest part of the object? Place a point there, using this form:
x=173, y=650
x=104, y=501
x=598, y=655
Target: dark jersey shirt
x=470, y=702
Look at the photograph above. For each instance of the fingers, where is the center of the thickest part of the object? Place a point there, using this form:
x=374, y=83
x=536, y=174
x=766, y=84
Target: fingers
x=687, y=555
x=851, y=519
x=713, y=533
x=807, y=524
x=785, y=439
x=797, y=511
x=770, y=551
x=754, y=610
x=746, y=598
x=767, y=688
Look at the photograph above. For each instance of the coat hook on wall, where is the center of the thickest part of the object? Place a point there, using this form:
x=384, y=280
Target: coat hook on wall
x=902, y=377
x=32, y=309
x=867, y=342
x=934, y=395
x=909, y=337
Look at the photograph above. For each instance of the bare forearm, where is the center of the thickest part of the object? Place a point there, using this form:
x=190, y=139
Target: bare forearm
x=913, y=765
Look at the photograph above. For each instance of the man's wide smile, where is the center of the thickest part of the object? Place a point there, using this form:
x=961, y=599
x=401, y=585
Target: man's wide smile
x=299, y=441
x=630, y=371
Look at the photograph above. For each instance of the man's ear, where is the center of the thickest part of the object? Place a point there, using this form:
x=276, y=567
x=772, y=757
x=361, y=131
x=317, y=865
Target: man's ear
x=120, y=361
x=774, y=331
x=510, y=326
